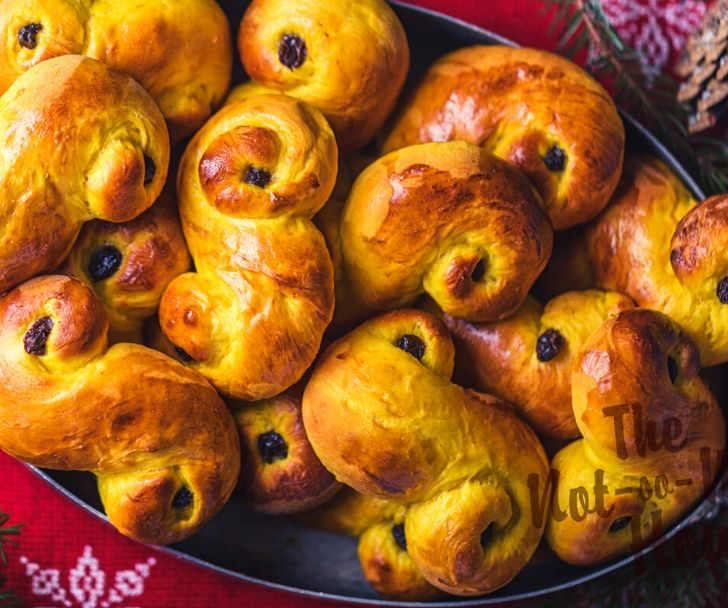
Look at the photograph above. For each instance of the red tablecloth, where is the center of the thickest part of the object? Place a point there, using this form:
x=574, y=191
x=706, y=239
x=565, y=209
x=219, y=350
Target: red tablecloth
x=68, y=558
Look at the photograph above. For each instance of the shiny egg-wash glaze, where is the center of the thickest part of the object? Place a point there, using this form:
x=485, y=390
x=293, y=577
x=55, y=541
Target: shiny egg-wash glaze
x=641, y=369
x=348, y=58
x=539, y=111
x=384, y=417
x=382, y=549
x=79, y=141
x=527, y=357
x=252, y=315
x=657, y=245
x=163, y=447
x=447, y=219
x=179, y=50
x=280, y=472
x=130, y=264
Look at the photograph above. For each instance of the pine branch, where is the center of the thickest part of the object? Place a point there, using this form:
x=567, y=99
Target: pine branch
x=583, y=27
x=7, y=598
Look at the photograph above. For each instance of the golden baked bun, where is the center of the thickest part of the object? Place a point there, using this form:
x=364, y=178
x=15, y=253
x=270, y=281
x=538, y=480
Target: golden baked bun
x=382, y=546
x=537, y=110
x=447, y=219
x=383, y=416
x=180, y=51
x=655, y=244
x=280, y=472
x=161, y=442
x=70, y=156
x=527, y=358
x=129, y=265
x=251, y=317
x=653, y=436
x=349, y=59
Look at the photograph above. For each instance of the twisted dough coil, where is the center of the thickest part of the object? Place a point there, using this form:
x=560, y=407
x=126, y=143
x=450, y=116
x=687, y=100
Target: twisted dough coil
x=382, y=549
x=644, y=413
x=180, y=51
x=448, y=219
x=349, y=59
x=251, y=317
x=655, y=244
x=163, y=446
x=539, y=111
x=382, y=415
x=527, y=357
x=129, y=265
x=80, y=141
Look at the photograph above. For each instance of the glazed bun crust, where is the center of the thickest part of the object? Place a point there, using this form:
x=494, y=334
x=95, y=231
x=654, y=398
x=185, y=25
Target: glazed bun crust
x=252, y=315
x=129, y=265
x=280, y=471
x=447, y=219
x=349, y=59
x=164, y=447
x=639, y=368
x=657, y=245
x=390, y=424
x=537, y=110
x=180, y=51
x=80, y=142
x=527, y=358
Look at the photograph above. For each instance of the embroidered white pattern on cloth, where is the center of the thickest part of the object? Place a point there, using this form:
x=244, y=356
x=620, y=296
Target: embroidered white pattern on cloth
x=87, y=585
x=655, y=28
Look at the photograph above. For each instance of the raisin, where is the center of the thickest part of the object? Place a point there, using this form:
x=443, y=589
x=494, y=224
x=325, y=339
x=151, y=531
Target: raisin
x=182, y=499
x=411, y=344
x=722, y=290
x=272, y=447
x=150, y=170
x=672, y=369
x=104, y=262
x=36, y=337
x=292, y=51
x=257, y=177
x=478, y=272
x=549, y=345
x=28, y=35
x=555, y=159
x=399, y=537
x=619, y=524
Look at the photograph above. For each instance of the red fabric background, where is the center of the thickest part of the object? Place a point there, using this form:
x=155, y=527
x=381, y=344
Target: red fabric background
x=56, y=532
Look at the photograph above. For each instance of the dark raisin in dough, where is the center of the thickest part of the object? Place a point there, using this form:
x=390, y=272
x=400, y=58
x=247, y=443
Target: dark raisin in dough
x=399, y=537
x=104, y=262
x=411, y=344
x=36, y=337
x=555, y=159
x=28, y=35
x=272, y=447
x=257, y=177
x=292, y=51
x=549, y=345
x=182, y=499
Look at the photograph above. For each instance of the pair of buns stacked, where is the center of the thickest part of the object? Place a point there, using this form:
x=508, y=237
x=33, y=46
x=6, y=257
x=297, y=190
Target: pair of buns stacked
x=495, y=150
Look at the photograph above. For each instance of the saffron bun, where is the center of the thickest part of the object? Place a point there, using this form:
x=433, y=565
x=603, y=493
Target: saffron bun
x=250, y=318
x=653, y=435
x=349, y=59
x=180, y=52
x=70, y=157
x=163, y=447
x=539, y=111
x=382, y=392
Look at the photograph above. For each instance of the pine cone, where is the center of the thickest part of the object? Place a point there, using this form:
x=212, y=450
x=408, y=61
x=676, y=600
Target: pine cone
x=704, y=63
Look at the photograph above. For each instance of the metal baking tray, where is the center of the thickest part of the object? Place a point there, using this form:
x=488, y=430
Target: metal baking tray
x=280, y=553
